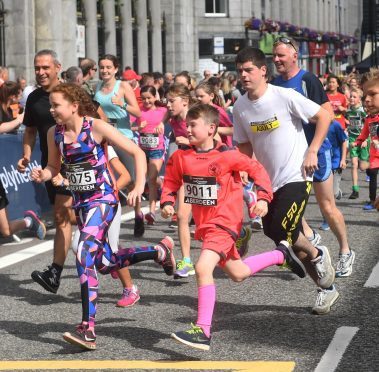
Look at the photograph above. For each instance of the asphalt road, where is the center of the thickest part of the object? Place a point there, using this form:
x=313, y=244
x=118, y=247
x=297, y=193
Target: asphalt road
x=267, y=318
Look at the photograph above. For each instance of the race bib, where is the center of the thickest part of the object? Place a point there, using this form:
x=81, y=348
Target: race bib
x=81, y=177
x=265, y=126
x=373, y=129
x=355, y=122
x=200, y=190
x=149, y=140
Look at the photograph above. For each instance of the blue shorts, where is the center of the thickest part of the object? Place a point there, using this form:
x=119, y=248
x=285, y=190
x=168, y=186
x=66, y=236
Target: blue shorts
x=324, y=166
x=154, y=154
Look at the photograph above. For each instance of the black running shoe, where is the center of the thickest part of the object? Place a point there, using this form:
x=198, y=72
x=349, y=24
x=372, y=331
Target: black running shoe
x=168, y=263
x=194, y=337
x=48, y=279
x=354, y=195
x=139, y=226
x=82, y=337
x=291, y=260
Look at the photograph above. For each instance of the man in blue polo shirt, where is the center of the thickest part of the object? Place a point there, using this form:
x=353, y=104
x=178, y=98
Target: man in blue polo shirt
x=285, y=57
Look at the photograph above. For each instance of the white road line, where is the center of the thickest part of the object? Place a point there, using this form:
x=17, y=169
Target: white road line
x=46, y=246
x=336, y=349
x=373, y=280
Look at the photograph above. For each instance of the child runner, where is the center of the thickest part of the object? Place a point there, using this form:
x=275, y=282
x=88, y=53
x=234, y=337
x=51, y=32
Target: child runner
x=118, y=101
x=337, y=99
x=207, y=94
x=355, y=116
x=130, y=293
x=151, y=141
x=79, y=140
x=208, y=171
x=370, y=83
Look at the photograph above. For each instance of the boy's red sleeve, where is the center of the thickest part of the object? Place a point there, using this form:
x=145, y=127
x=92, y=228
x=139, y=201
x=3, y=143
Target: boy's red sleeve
x=256, y=172
x=173, y=179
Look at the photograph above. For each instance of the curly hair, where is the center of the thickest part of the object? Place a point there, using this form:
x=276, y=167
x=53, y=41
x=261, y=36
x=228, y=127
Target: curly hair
x=74, y=93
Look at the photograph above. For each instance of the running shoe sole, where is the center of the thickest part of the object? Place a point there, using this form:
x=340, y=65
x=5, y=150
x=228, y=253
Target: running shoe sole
x=185, y=342
x=86, y=345
x=169, y=263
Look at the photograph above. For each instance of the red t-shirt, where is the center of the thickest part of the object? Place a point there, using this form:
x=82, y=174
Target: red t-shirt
x=213, y=186
x=224, y=122
x=336, y=100
x=179, y=127
x=370, y=129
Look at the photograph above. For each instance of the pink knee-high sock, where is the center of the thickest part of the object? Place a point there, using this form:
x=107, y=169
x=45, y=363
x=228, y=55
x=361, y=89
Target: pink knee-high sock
x=261, y=261
x=205, y=307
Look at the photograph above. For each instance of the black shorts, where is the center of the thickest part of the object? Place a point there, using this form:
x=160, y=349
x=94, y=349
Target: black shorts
x=3, y=197
x=52, y=191
x=283, y=220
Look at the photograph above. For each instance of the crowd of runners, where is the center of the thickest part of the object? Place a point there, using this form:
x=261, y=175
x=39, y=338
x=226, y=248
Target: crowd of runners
x=204, y=151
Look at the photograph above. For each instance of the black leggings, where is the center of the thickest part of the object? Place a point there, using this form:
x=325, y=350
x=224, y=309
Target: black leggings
x=373, y=173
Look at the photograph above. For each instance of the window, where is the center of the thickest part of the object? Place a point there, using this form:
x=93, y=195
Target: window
x=215, y=8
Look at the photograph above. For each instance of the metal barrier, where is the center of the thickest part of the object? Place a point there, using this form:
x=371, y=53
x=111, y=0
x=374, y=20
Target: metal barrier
x=22, y=193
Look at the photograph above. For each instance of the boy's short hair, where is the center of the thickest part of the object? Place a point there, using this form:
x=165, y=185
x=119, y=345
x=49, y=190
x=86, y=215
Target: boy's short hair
x=250, y=54
x=358, y=91
x=206, y=112
x=371, y=77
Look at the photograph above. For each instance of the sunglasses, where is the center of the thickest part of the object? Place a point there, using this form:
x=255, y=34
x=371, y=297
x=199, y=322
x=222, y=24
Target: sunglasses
x=285, y=40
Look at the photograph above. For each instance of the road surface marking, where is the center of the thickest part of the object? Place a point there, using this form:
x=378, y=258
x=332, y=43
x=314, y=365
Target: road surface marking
x=373, y=280
x=257, y=366
x=336, y=349
x=46, y=246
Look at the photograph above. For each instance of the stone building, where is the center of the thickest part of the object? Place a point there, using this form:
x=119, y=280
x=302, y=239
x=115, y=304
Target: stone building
x=157, y=35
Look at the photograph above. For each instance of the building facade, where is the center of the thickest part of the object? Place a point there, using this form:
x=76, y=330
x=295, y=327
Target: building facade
x=172, y=35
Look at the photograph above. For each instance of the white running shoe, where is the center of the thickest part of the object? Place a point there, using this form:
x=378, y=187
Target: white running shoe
x=325, y=300
x=345, y=264
x=324, y=268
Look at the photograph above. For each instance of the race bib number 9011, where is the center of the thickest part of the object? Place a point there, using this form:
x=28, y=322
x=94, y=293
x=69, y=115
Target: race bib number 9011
x=81, y=177
x=200, y=190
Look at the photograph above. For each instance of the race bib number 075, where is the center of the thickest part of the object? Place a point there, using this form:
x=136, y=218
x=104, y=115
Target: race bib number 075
x=81, y=177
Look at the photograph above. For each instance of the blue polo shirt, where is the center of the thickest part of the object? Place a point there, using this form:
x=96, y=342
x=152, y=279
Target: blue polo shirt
x=309, y=86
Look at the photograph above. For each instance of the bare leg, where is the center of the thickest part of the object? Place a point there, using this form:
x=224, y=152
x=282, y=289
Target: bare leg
x=63, y=235
x=325, y=198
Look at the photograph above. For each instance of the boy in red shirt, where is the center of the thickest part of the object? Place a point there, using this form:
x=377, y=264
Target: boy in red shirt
x=209, y=171
x=370, y=83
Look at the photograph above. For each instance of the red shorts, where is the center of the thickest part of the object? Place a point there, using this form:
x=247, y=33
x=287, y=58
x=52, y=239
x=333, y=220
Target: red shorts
x=220, y=241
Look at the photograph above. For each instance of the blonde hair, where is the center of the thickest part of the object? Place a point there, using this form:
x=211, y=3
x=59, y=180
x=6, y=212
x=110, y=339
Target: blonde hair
x=358, y=91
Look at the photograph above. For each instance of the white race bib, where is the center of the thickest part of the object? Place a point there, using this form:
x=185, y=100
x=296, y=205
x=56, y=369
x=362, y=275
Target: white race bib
x=81, y=177
x=149, y=140
x=200, y=190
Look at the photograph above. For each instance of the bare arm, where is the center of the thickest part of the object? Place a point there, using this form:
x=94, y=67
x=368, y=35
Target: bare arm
x=29, y=141
x=104, y=131
x=322, y=119
x=54, y=161
x=8, y=126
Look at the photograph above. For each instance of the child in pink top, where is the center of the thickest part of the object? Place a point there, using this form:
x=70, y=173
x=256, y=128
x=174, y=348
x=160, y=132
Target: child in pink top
x=151, y=140
x=206, y=93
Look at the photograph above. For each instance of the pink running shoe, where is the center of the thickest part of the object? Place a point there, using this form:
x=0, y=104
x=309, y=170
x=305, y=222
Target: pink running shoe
x=130, y=296
x=168, y=263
